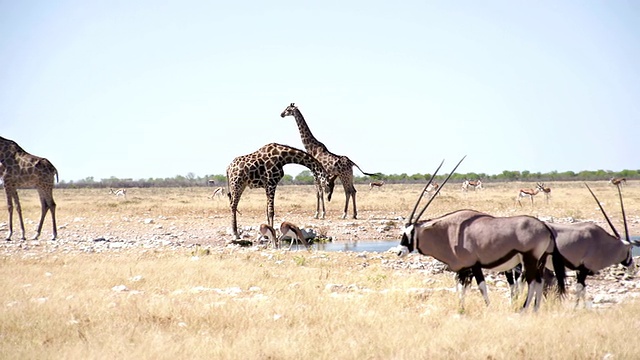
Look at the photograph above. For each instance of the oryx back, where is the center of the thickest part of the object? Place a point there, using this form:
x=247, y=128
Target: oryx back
x=590, y=245
x=466, y=237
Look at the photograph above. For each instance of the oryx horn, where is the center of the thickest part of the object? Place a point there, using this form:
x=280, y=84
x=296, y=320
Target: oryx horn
x=422, y=193
x=438, y=190
x=604, y=213
x=624, y=216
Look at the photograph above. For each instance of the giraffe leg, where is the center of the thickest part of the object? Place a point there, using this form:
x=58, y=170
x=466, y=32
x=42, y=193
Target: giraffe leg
x=10, y=209
x=234, y=199
x=52, y=209
x=47, y=204
x=353, y=199
x=346, y=205
x=19, y=211
x=271, y=194
x=320, y=209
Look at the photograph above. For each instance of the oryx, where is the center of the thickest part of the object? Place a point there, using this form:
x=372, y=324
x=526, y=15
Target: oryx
x=468, y=241
x=588, y=248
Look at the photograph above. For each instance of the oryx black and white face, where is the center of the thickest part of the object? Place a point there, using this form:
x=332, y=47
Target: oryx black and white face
x=289, y=110
x=408, y=240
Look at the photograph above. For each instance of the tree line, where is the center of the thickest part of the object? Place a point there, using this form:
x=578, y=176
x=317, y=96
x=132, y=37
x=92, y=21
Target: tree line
x=306, y=178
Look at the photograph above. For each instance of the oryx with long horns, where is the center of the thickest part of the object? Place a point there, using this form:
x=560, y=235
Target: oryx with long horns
x=469, y=241
x=588, y=248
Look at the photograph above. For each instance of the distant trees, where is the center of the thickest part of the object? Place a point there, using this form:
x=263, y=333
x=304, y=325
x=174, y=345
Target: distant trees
x=306, y=178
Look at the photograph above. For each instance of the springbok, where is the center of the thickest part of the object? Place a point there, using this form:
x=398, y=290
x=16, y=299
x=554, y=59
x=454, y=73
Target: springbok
x=118, y=192
x=530, y=193
x=473, y=184
x=219, y=192
x=288, y=229
x=377, y=184
x=269, y=233
x=588, y=248
x=546, y=191
x=616, y=181
x=431, y=189
x=469, y=241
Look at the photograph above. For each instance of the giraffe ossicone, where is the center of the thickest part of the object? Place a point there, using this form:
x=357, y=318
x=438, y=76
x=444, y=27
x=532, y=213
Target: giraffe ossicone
x=337, y=166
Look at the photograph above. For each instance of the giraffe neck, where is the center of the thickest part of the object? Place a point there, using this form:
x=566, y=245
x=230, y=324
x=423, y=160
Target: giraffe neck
x=311, y=144
x=9, y=149
x=308, y=161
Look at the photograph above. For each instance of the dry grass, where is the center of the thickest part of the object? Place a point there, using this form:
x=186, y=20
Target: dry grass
x=277, y=305
x=243, y=304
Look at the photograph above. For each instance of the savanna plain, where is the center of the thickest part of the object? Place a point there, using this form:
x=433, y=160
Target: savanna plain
x=152, y=277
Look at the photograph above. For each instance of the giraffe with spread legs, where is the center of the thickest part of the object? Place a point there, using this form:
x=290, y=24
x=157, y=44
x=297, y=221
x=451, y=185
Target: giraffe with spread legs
x=263, y=168
x=20, y=169
x=337, y=166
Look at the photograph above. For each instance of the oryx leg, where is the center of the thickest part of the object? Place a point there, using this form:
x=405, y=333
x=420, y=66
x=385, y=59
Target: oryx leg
x=581, y=286
x=464, y=280
x=533, y=274
x=482, y=285
x=514, y=279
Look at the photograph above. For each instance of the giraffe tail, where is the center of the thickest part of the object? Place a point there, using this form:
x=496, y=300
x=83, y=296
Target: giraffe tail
x=365, y=173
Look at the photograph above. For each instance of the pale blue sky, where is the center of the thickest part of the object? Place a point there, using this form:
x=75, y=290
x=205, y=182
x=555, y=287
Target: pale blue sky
x=139, y=89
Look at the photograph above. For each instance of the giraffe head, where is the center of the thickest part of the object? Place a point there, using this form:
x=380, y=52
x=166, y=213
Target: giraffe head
x=326, y=184
x=289, y=110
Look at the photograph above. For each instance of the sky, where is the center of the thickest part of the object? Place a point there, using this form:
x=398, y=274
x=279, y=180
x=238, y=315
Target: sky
x=154, y=89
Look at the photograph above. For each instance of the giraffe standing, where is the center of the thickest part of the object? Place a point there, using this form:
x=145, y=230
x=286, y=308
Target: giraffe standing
x=337, y=166
x=21, y=169
x=263, y=168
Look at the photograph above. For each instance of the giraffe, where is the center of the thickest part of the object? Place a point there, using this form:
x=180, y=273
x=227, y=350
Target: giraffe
x=263, y=169
x=337, y=166
x=21, y=169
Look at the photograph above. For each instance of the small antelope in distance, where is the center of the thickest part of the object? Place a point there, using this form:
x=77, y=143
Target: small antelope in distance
x=219, y=192
x=469, y=241
x=377, y=184
x=269, y=233
x=618, y=181
x=473, y=184
x=294, y=232
x=431, y=189
x=523, y=193
x=546, y=191
x=118, y=192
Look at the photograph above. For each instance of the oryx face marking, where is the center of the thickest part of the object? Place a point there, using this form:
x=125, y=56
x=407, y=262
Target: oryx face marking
x=407, y=241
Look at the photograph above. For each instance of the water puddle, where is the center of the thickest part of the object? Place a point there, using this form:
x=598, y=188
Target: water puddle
x=358, y=246
x=384, y=245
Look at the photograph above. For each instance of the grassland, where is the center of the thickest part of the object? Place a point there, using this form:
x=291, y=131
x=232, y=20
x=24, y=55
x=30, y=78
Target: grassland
x=211, y=301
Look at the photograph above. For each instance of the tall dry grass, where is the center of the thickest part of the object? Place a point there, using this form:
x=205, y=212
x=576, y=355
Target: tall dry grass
x=278, y=305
